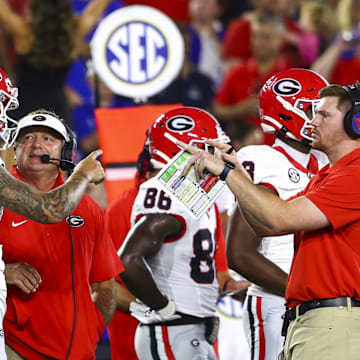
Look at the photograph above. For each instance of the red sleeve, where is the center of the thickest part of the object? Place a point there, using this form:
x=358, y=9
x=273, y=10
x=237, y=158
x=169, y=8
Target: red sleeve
x=105, y=262
x=334, y=199
x=117, y=219
x=237, y=40
x=220, y=255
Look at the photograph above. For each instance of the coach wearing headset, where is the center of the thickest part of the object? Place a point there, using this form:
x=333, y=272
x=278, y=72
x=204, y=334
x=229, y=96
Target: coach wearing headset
x=323, y=289
x=60, y=277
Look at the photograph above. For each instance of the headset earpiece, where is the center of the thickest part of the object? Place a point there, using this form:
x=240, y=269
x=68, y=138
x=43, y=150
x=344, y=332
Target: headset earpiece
x=352, y=117
x=69, y=149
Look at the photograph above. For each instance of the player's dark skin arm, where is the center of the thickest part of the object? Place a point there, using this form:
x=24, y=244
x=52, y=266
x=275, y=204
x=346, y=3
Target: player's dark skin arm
x=244, y=258
x=143, y=242
x=123, y=297
x=54, y=206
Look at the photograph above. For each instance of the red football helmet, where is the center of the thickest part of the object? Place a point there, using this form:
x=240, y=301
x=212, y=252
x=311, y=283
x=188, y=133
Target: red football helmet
x=287, y=103
x=8, y=101
x=188, y=124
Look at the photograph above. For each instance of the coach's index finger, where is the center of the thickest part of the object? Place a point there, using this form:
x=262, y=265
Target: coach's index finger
x=95, y=154
x=191, y=149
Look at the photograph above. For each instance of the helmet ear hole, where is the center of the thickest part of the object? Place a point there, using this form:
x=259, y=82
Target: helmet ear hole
x=285, y=117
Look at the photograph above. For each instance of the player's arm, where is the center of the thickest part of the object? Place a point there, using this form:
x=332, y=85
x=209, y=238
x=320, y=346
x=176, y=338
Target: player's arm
x=228, y=286
x=123, y=297
x=244, y=257
x=103, y=295
x=144, y=241
x=54, y=206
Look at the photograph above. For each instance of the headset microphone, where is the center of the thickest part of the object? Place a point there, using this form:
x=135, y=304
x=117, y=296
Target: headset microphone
x=64, y=164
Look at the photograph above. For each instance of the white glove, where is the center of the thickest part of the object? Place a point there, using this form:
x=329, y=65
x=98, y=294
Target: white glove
x=146, y=315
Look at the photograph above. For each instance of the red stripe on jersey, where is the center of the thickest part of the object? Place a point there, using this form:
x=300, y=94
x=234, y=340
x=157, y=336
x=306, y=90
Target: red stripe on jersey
x=261, y=329
x=313, y=165
x=220, y=254
x=167, y=345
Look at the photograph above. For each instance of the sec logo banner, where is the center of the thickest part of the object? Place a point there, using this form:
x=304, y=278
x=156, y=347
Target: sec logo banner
x=137, y=51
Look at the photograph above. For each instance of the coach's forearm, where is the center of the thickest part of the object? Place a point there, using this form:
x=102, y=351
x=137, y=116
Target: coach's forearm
x=104, y=298
x=46, y=208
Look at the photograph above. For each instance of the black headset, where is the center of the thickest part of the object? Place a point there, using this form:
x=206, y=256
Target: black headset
x=69, y=149
x=352, y=117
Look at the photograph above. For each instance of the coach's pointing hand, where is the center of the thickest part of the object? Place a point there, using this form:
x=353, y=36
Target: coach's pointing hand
x=91, y=168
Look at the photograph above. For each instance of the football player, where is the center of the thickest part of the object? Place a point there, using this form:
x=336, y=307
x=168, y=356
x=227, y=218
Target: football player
x=287, y=103
x=170, y=258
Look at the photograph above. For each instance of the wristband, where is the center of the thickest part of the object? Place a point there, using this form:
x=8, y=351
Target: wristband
x=167, y=311
x=230, y=150
x=225, y=172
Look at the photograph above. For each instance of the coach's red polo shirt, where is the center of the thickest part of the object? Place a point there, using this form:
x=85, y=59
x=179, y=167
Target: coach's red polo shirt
x=327, y=261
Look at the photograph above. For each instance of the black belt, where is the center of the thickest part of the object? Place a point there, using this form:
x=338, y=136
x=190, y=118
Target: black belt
x=290, y=314
x=211, y=324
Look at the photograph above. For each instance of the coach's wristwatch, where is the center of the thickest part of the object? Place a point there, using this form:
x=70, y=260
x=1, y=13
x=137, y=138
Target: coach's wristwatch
x=228, y=166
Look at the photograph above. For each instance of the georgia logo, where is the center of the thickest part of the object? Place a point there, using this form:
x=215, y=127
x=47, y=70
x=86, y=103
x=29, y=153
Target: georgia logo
x=75, y=221
x=180, y=124
x=195, y=342
x=294, y=175
x=287, y=87
x=39, y=118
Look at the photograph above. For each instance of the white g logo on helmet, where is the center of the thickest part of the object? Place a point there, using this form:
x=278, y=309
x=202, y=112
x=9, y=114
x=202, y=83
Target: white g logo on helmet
x=287, y=87
x=180, y=124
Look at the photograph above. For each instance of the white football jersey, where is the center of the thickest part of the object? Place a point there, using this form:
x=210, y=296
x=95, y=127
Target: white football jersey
x=283, y=169
x=184, y=269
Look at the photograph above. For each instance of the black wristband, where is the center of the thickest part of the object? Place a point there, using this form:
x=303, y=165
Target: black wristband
x=225, y=172
x=230, y=150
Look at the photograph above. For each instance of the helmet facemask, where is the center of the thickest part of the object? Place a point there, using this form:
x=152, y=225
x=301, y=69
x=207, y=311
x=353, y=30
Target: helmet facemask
x=8, y=126
x=303, y=108
x=308, y=107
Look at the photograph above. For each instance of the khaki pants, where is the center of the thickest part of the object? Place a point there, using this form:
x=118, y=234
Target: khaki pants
x=12, y=354
x=324, y=334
